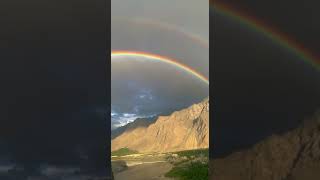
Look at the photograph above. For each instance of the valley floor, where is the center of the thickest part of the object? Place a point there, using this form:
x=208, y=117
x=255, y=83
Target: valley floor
x=191, y=164
x=146, y=171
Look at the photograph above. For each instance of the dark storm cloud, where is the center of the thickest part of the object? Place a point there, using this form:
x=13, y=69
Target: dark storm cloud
x=260, y=88
x=53, y=60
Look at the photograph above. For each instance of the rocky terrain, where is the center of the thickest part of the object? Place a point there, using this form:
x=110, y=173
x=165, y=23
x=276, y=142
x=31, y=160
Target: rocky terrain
x=182, y=130
x=164, y=166
x=140, y=122
x=294, y=155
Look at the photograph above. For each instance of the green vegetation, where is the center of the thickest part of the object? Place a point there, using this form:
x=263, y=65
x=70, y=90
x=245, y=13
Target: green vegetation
x=194, y=153
x=192, y=171
x=123, y=152
x=189, y=165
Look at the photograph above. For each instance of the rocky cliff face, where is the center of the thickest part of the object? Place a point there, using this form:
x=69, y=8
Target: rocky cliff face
x=292, y=156
x=182, y=130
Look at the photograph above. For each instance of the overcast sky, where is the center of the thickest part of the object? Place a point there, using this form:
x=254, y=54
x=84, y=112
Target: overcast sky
x=178, y=29
x=53, y=80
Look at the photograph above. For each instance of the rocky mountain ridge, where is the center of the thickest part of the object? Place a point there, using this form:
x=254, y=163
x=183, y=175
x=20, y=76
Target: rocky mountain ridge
x=294, y=155
x=182, y=130
x=139, y=122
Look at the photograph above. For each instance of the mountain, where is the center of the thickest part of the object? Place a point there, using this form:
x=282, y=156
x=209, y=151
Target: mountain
x=139, y=122
x=182, y=130
x=294, y=155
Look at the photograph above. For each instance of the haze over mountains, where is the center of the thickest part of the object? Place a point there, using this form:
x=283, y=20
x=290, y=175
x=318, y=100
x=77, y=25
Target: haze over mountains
x=182, y=130
x=294, y=155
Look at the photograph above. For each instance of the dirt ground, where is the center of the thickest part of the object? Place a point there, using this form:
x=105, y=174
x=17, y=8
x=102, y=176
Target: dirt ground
x=148, y=171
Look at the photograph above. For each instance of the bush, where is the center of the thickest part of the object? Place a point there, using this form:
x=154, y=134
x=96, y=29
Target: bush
x=194, y=153
x=192, y=171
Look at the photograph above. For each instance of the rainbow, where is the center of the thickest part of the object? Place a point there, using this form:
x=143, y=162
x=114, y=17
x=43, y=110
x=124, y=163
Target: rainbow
x=154, y=57
x=241, y=17
x=274, y=35
x=170, y=27
x=142, y=21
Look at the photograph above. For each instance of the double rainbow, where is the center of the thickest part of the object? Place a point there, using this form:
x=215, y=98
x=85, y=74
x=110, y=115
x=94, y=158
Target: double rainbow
x=241, y=17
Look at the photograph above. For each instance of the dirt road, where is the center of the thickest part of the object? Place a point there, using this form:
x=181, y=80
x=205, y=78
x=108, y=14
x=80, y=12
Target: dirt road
x=148, y=171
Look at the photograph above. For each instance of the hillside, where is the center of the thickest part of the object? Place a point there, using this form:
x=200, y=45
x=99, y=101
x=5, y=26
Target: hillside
x=140, y=122
x=182, y=130
x=291, y=156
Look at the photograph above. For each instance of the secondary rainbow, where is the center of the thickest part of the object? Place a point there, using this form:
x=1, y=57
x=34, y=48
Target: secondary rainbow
x=258, y=26
x=173, y=28
x=163, y=59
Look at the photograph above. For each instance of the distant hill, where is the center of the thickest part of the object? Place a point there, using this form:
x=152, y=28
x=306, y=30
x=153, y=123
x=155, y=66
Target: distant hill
x=182, y=130
x=139, y=122
x=291, y=156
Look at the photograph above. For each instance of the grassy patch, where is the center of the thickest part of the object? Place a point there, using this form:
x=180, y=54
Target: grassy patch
x=192, y=171
x=123, y=152
x=180, y=162
x=194, y=153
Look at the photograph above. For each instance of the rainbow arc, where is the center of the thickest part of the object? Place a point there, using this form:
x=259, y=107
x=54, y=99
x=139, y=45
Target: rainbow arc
x=251, y=22
x=258, y=26
x=154, y=57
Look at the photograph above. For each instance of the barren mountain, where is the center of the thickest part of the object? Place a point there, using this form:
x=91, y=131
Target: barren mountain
x=140, y=122
x=294, y=155
x=182, y=130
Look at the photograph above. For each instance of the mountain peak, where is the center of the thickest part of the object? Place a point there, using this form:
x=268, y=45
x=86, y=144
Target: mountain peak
x=182, y=130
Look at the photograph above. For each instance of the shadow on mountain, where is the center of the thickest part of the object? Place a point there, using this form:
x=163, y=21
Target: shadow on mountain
x=139, y=122
x=291, y=156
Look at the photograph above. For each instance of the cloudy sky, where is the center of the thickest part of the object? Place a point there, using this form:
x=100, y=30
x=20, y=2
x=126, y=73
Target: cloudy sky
x=260, y=87
x=178, y=29
x=53, y=81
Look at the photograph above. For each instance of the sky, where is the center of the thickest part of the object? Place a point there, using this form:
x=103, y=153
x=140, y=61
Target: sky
x=55, y=93
x=142, y=88
x=261, y=88
x=53, y=85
